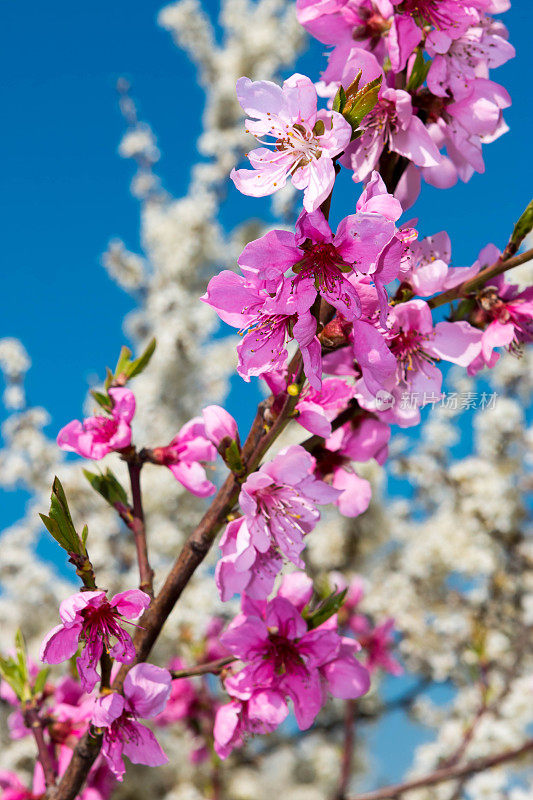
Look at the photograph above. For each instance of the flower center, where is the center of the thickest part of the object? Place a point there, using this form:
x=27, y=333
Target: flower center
x=285, y=656
x=325, y=266
x=408, y=347
x=440, y=13
x=100, y=621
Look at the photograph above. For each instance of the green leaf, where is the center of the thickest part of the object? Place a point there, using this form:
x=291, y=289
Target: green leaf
x=59, y=522
x=326, y=609
x=40, y=680
x=108, y=486
x=362, y=103
x=20, y=648
x=109, y=377
x=353, y=88
x=232, y=457
x=418, y=73
x=339, y=101
x=84, y=535
x=124, y=361
x=53, y=529
x=523, y=227
x=137, y=366
x=10, y=672
x=103, y=400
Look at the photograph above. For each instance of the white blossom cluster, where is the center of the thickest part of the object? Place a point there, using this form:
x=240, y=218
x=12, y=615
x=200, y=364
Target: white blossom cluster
x=454, y=566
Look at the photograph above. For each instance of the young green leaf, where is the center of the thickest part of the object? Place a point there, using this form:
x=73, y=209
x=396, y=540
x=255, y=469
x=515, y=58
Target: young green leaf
x=103, y=400
x=108, y=486
x=360, y=104
x=137, y=366
x=418, y=73
x=339, y=101
x=326, y=609
x=124, y=361
x=59, y=522
x=522, y=227
x=40, y=680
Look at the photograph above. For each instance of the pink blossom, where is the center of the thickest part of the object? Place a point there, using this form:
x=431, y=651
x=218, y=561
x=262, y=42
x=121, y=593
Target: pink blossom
x=391, y=124
x=416, y=346
x=304, y=140
x=95, y=437
x=278, y=503
x=13, y=788
x=219, y=425
x=193, y=705
x=146, y=692
x=458, y=62
x=427, y=267
x=506, y=314
x=453, y=17
x=183, y=701
x=267, y=322
x=281, y=654
x=91, y=618
x=319, y=259
x=242, y=567
x=185, y=454
x=262, y=712
x=377, y=643
x=317, y=409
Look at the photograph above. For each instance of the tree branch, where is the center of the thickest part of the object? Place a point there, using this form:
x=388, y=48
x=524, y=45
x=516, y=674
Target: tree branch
x=210, y=668
x=447, y=774
x=480, y=279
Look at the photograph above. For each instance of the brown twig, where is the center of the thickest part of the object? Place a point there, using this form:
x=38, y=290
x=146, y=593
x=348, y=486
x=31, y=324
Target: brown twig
x=33, y=721
x=210, y=668
x=347, y=750
x=138, y=527
x=480, y=279
x=457, y=771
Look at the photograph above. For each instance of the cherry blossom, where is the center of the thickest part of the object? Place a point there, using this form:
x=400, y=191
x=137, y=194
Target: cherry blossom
x=185, y=454
x=146, y=692
x=96, y=621
x=304, y=140
x=97, y=436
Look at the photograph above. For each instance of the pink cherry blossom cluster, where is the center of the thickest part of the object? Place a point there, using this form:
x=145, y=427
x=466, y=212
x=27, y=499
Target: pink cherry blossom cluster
x=435, y=57
x=340, y=326
x=91, y=620
x=284, y=659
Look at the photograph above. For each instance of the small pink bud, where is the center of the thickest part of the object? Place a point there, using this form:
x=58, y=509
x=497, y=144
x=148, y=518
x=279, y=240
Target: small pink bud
x=219, y=424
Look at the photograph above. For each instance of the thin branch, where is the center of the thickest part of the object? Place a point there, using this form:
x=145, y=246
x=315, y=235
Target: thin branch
x=210, y=668
x=138, y=527
x=33, y=721
x=347, y=750
x=448, y=773
x=480, y=279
